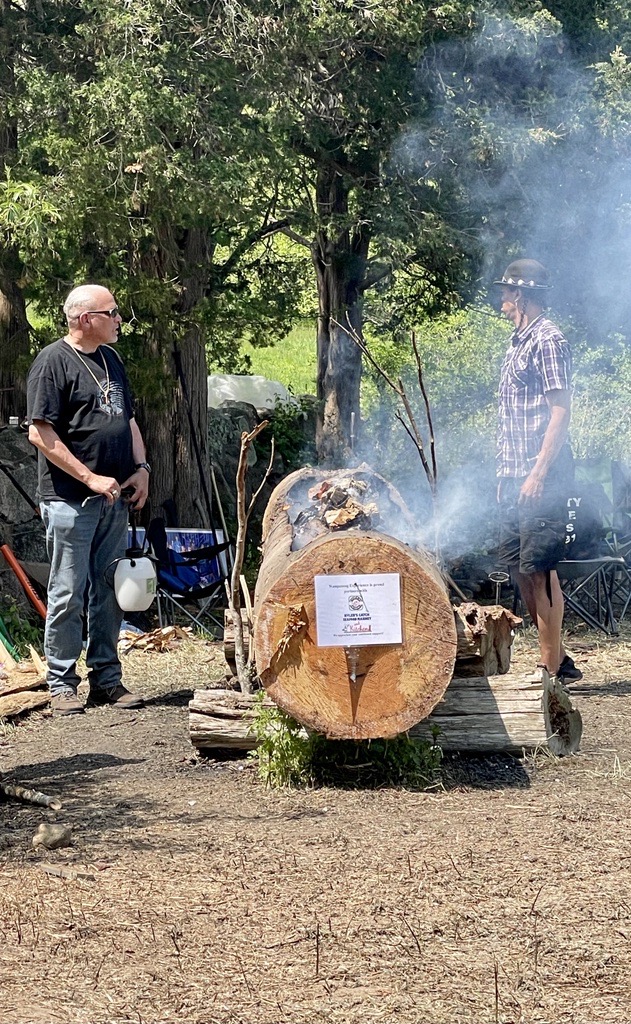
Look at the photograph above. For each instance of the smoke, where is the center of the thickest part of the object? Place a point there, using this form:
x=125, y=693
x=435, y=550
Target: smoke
x=515, y=142
x=515, y=135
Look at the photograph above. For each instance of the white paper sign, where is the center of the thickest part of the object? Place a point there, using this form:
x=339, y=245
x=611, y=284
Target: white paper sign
x=355, y=611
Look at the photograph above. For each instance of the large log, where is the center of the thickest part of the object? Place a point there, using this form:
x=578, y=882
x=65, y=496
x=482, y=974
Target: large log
x=499, y=714
x=375, y=691
x=484, y=636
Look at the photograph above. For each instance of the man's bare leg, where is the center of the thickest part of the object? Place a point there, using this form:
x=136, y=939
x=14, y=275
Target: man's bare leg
x=548, y=618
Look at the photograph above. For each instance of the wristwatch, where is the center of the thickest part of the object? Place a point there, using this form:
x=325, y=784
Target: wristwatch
x=143, y=465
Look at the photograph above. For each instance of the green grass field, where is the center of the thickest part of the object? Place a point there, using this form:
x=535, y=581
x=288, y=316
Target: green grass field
x=292, y=361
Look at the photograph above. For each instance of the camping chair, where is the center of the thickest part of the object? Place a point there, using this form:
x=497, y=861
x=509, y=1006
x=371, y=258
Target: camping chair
x=594, y=587
x=594, y=578
x=192, y=568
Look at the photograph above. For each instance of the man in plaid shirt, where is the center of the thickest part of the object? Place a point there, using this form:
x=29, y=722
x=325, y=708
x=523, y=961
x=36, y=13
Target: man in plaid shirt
x=534, y=460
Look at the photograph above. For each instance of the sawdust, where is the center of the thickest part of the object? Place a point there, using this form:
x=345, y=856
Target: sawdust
x=192, y=894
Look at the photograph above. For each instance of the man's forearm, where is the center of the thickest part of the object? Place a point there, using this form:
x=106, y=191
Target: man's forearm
x=47, y=440
x=554, y=439
x=137, y=443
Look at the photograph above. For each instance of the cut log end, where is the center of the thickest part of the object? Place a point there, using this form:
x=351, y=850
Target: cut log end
x=355, y=691
x=563, y=722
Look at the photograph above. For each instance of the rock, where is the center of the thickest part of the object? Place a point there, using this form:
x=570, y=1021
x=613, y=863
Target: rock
x=51, y=837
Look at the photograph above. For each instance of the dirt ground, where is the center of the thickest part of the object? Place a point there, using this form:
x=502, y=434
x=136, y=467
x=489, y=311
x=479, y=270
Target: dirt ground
x=502, y=897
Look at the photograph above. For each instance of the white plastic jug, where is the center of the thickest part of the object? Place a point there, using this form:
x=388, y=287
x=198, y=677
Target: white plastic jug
x=134, y=583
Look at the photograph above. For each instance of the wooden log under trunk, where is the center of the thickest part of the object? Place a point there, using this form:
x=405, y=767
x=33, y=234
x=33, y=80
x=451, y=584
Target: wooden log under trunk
x=499, y=714
x=485, y=637
x=505, y=713
x=222, y=719
x=395, y=685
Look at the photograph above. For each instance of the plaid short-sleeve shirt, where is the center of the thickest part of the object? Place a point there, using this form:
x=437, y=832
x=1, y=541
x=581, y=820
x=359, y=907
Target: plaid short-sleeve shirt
x=538, y=360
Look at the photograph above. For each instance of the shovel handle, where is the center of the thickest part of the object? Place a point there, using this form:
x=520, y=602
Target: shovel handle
x=25, y=582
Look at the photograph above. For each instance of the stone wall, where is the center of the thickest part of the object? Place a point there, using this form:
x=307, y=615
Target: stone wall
x=20, y=526
x=225, y=426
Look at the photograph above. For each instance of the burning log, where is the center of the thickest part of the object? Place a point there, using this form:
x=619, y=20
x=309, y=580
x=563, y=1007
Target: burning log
x=349, y=690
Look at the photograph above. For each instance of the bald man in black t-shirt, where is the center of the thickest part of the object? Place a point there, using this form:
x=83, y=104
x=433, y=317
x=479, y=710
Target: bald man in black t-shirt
x=90, y=448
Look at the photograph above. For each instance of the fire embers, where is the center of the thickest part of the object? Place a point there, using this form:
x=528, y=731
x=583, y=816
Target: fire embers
x=335, y=506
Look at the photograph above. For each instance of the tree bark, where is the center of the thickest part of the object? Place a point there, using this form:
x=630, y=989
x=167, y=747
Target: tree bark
x=485, y=639
x=222, y=719
x=14, y=326
x=173, y=441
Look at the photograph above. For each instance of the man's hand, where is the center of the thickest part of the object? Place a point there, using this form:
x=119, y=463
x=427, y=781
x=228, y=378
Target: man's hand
x=140, y=483
x=532, y=488
x=105, y=485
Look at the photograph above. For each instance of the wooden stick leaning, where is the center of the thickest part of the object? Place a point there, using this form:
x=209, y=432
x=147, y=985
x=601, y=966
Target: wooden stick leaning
x=411, y=427
x=243, y=659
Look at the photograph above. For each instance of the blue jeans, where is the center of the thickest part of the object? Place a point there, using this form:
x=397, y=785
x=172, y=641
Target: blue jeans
x=82, y=541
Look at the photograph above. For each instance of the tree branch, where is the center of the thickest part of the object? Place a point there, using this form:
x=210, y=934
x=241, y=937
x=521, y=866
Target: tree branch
x=411, y=426
x=295, y=237
x=246, y=243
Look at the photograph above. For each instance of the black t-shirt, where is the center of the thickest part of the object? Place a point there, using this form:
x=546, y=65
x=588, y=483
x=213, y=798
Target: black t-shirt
x=70, y=391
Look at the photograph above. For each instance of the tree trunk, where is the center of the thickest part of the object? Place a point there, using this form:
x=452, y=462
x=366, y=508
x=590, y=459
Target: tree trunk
x=340, y=265
x=14, y=327
x=172, y=444
x=357, y=692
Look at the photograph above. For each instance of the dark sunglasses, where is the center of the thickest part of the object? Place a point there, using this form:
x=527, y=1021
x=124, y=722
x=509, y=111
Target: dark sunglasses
x=104, y=312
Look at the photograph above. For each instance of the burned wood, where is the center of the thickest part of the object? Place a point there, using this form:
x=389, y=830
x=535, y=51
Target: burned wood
x=352, y=499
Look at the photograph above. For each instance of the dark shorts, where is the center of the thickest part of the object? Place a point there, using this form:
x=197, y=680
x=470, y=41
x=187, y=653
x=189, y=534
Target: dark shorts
x=532, y=535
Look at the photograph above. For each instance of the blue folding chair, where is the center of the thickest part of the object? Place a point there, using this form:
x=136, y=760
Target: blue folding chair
x=192, y=567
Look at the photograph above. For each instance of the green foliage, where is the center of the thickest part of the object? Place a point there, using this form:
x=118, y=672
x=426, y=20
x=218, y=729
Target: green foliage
x=290, y=360
x=288, y=756
x=283, y=750
x=22, y=630
x=290, y=429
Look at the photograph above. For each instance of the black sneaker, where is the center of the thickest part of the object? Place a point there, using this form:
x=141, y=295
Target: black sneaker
x=117, y=696
x=568, y=670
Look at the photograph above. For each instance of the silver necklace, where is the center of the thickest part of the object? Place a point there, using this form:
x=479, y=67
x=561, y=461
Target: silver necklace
x=104, y=388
